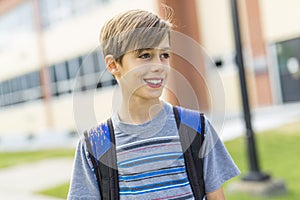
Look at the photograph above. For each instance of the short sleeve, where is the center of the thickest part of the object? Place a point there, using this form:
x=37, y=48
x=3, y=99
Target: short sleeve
x=83, y=185
x=218, y=166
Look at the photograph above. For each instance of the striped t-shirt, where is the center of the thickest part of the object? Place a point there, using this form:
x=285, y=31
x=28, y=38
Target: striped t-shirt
x=150, y=159
x=150, y=162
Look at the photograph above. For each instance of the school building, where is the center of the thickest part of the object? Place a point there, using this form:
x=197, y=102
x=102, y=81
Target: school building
x=49, y=49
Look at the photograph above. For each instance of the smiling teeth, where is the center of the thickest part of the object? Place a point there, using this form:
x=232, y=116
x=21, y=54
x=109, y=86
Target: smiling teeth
x=154, y=81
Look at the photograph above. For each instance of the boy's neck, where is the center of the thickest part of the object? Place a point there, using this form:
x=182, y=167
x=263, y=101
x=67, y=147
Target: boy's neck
x=139, y=111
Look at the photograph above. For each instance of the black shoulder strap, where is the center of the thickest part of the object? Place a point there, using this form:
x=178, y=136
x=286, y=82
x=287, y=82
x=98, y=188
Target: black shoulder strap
x=191, y=142
x=105, y=168
x=113, y=168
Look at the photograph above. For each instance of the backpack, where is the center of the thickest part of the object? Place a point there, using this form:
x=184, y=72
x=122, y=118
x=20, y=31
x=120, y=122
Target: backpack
x=100, y=143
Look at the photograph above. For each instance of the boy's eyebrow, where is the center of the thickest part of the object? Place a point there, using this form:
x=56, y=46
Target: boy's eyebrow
x=148, y=49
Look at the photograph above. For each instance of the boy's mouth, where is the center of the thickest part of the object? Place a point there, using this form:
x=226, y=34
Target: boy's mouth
x=154, y=83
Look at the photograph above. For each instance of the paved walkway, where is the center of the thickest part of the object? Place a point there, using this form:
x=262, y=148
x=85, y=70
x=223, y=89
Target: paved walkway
x=262, y=119
x=20, y=182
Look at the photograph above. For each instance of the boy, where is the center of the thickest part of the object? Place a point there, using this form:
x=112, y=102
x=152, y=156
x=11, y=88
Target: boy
x=149, y=154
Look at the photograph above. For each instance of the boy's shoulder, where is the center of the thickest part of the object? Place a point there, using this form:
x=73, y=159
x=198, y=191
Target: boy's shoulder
x=187, y=112
x=100, y=129
x=98, y=136
x=191, y=118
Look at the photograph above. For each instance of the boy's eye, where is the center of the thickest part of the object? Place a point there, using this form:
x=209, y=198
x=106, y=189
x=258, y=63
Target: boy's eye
x=165, y=55
x=144, y=55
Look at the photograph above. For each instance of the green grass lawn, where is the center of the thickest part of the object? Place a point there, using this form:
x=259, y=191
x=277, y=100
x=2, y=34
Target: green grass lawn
x=60, y=191
x=279, y=152
x=8, y=159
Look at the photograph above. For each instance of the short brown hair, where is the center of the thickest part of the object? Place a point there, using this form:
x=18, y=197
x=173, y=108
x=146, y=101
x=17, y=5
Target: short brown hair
x=132, y=30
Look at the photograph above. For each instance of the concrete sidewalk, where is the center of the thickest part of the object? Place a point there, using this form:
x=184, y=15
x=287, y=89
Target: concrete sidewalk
x=22, y=181
x=262, y=119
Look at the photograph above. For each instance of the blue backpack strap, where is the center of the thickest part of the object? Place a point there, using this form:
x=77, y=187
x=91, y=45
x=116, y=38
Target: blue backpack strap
x=91, y=156
x=191, y=126
x=100, y=143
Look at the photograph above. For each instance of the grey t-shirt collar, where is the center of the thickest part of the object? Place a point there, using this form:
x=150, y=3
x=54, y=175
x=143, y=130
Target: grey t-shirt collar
x=153, y=126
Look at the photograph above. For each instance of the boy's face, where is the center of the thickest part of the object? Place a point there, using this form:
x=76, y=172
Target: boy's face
x=143, y=73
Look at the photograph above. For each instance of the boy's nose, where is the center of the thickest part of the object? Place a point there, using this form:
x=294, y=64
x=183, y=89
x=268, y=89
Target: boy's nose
x=157, y=67
x=158, y=63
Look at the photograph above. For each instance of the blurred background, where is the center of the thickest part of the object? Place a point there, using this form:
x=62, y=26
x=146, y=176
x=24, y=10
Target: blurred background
x=49, y=49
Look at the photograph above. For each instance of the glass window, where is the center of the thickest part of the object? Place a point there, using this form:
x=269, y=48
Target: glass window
x=54, y=11
x=33, y=83
x=15, y=88
x=44, y=13
x=7, y=92
x=101, y=1
x=15, y=22
x=33, y=79
x=15, y=84
x=1, y=90
x=88, y=65
x=6, y=88
x=52, y=74
x=61, y=72
x=20, y=18
x=25, y=16
x=1, y=95
x=96, y=61
x=73, y=67
x=23, y=83
x=63, y=85
x=53, y=79
x=99, y=61
x=80, y=6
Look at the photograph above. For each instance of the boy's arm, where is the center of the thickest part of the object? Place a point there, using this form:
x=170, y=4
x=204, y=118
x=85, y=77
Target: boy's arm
x=218, y=166
x=83, y=181
x=216, y=195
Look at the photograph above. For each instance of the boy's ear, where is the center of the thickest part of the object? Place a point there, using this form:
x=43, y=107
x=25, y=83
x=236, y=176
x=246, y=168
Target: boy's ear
x=111, y=65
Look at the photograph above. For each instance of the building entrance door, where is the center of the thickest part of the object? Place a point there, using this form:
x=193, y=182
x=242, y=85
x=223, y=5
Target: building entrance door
x=288, y=57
